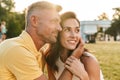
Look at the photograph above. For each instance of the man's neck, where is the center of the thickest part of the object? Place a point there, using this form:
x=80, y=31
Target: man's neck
x=37, y=41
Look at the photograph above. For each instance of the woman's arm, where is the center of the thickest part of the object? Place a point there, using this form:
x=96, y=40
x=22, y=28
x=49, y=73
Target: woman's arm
x=91, y=66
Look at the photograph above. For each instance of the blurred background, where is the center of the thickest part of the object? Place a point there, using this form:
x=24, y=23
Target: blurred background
x=99, y=22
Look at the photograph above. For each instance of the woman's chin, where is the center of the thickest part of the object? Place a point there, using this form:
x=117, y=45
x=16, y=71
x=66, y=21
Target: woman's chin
x=72, y=48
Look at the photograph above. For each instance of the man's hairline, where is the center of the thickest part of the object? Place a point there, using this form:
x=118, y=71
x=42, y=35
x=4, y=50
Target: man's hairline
x=37, y=11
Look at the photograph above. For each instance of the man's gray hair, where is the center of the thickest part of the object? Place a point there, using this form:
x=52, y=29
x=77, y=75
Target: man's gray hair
x=41, y=5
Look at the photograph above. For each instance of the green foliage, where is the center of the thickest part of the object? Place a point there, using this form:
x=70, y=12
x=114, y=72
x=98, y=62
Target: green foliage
x=13, y=28
x=108, y=55
x=15, y=25
x=114, y=30
x=5, y=7
x=15, y=21
x=103, y=16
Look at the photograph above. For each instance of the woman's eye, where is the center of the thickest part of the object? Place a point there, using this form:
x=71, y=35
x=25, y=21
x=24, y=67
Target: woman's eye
x=78, y=30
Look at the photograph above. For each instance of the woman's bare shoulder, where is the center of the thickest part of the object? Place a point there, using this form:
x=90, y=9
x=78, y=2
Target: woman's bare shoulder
x=88, y=57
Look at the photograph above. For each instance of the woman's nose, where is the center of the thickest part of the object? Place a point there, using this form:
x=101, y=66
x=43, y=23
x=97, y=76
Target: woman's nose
x=73, y=34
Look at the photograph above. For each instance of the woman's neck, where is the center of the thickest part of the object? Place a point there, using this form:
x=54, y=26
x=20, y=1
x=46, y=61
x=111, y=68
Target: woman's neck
x=64, y=55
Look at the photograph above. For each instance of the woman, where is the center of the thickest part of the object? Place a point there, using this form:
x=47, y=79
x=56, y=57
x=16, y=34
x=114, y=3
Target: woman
x=85, y=68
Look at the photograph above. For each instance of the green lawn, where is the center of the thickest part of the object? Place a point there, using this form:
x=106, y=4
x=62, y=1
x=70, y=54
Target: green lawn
x=108, y=55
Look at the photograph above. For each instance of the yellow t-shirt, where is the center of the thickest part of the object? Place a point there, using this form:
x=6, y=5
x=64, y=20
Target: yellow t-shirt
x=19, y=59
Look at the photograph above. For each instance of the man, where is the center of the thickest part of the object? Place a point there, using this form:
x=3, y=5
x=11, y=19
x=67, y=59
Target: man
x=20, y=57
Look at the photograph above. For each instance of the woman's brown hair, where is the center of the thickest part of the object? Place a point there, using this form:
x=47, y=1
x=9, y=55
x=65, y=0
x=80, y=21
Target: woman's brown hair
x=54, y=52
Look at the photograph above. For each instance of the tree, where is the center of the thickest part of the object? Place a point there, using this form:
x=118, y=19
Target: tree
x=103, y=16
x=6, y=6
x=114, y=30
x=100, y=29
x=16, y=24
x=15, y=21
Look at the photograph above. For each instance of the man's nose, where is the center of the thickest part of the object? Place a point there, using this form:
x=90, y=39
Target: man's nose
x=59, y=28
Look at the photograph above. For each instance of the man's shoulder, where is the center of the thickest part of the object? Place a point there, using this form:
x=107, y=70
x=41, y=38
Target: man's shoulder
x=11, y=44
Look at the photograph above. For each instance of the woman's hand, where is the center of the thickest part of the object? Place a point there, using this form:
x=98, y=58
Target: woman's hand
x=79, y=50
x=75, y=66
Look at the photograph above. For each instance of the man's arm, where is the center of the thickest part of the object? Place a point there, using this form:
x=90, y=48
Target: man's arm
x=66, y=74
x=77, y=68
x=42, y=77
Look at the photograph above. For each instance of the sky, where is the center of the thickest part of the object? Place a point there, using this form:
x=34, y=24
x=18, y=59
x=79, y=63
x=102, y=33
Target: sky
x=84, y=9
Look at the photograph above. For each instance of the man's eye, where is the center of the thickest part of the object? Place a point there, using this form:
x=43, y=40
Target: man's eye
x=66, y=29
x=55, y=21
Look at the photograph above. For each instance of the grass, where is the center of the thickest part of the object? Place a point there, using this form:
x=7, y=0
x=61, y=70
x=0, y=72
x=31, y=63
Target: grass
x=108, y=55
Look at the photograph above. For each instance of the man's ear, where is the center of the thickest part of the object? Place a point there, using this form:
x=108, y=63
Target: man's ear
x=34, y=20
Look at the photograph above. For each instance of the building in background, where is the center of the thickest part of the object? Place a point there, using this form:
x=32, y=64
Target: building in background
x=94, y=30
